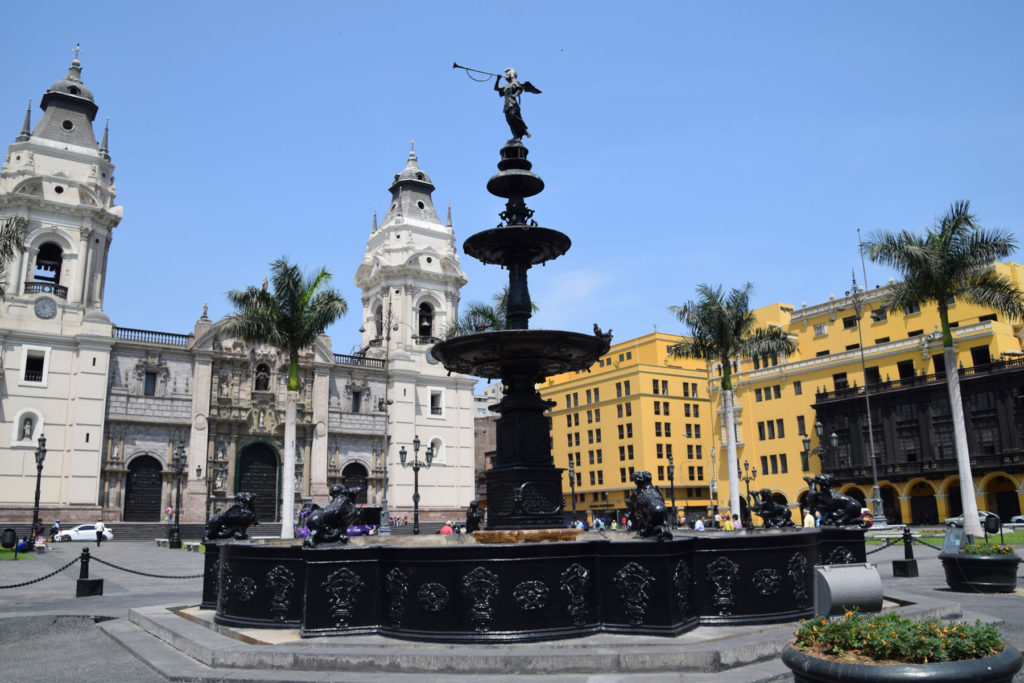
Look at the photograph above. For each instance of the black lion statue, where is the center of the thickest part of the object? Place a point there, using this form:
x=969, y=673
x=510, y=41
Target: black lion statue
x=330, y=524
x=836, y=509
x=647, y=505
x=474, y=517
x=233, y=522
x=775, y=515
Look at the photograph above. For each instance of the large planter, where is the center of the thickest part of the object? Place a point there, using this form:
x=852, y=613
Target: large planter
x=995, y=669
x=980, y=573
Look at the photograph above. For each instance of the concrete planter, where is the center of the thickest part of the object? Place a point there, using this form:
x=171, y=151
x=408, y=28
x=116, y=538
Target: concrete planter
x=980, y=573
x=995, y=669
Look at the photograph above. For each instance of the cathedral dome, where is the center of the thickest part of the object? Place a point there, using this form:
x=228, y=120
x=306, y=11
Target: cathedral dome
x=412, y=172
x=72, y=83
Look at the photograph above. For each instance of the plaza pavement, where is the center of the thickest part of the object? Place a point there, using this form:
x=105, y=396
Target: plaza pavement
x=48, y=634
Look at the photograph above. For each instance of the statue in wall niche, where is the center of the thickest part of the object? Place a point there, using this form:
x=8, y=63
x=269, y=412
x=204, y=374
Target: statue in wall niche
x=26, y=429
x=262, y=417
x=218, y=479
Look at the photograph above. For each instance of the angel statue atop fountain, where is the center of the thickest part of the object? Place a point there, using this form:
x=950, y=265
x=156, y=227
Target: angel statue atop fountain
x=511, y=92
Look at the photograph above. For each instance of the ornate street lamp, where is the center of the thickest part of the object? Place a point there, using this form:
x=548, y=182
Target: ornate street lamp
x=174, y=535
x=416, y=465
x=572, y=486
x=833, y=441
x=672, y=484
x=877, y=510
x=40, y=457
x=749, y=475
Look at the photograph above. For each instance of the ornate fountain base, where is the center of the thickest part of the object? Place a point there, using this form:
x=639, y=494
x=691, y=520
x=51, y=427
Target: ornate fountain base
x=524, y=498
x=520, y=592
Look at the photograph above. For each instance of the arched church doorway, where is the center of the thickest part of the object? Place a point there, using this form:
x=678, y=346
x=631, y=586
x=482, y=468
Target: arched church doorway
x=355, y=474
x=259, y=473
x=143, y=487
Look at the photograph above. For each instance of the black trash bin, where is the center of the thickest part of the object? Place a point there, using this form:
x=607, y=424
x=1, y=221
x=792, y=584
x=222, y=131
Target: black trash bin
x=10, y=538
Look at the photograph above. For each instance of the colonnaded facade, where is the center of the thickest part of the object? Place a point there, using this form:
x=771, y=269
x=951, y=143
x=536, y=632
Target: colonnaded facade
x=115, y=403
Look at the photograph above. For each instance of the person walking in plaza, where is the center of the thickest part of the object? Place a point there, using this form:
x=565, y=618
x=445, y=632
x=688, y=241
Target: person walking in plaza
x=699, y=524
x=736, y=523
x=808, y=519
x=99, y=532
x=727, y=524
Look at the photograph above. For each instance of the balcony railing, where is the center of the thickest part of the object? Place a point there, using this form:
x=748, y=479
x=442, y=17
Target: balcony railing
x=435, y=410
x=33, y=375
x=37, y=287
x=918, y=380
x=346, y=359
x=150, y=337
x=420, y=339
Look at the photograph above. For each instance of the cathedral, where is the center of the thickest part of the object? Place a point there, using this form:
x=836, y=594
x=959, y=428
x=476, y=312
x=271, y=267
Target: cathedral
x=118, y=406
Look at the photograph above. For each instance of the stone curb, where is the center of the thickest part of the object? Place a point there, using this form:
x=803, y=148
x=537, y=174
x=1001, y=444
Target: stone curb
x=724, y=653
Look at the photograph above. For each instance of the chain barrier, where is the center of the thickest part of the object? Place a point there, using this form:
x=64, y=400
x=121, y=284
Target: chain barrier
x=920, y=542
x=885, y=545
x=152, y=576
x=42, y=578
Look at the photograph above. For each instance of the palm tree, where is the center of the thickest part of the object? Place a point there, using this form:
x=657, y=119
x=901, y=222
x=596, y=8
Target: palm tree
x=480, y=317
x=12, y=238
x=722, y=328
x=289, y=318
x=951, y=260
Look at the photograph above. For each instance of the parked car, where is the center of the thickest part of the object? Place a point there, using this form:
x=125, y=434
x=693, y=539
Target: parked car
x=982, y=516
x=84, y=532
x=1017, y=519
x=362, y=530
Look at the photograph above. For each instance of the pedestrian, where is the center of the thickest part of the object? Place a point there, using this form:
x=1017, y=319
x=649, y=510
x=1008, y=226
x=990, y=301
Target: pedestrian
x=447, y=529
x=736, y=523
x=817, y=518
x=727, y=524
x=808, y=519
x=168, y=514
x=699, y=524
x=99, y=532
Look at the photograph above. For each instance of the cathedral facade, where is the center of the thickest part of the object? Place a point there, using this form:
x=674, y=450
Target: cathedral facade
x=118, y=406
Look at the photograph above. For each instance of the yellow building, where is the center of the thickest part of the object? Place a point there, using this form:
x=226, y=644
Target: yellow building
x=636, y=409
x=637, y=405
x=781, y=400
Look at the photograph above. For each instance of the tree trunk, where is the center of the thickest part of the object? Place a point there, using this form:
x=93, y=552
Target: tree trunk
x=730, y=451
x=288, y=468
x=963, y=460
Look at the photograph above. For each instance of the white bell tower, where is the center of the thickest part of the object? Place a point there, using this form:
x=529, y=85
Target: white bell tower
x=410, y=278
x=55, y=337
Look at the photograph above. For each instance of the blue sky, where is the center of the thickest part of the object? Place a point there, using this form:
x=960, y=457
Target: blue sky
x=680, y=142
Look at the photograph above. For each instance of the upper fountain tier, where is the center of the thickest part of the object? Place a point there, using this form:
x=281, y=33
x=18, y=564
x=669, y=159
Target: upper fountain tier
x=518, y=239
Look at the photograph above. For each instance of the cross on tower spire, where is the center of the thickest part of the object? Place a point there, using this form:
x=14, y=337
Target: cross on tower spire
x=77, y=49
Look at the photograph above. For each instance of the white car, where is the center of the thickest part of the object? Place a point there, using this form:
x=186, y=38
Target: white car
x=1017, y=519
x=84, y=532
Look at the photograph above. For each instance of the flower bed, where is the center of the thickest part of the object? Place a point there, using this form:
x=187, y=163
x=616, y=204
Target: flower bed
x=893, y=648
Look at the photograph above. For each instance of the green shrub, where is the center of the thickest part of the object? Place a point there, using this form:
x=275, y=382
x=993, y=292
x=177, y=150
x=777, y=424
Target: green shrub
x=891, y=637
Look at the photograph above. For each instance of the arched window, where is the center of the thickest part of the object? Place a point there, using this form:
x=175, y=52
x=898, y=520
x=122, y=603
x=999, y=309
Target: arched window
x=426, y=326
x=262, y=378
x=48, y=263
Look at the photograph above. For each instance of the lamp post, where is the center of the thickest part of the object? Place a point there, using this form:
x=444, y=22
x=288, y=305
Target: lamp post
x=749, y=475
x=572, y=486
x=672, y=484
x=713, y=486
x=174, y=535
x=833, y=441
x=209, y=487
x=857, y=296
x=416, y=465
x=40, y=457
